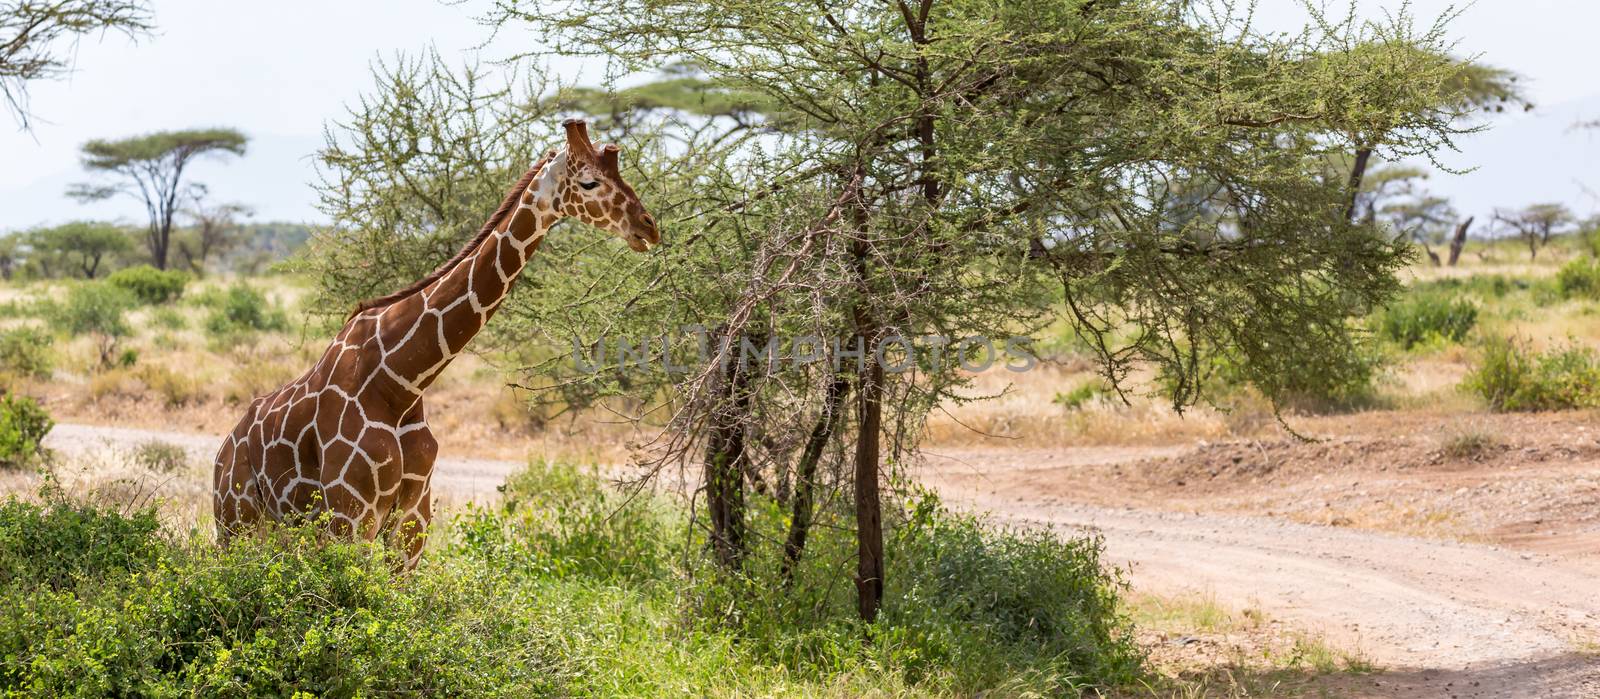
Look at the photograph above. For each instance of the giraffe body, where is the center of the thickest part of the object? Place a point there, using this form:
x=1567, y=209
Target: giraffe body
x=349, y=438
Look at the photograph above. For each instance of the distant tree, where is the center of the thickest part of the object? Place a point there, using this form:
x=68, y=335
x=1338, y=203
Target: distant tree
x=213, y=230
x=1424, y=218
x=1459, y=241
x=10, y=255
x=1536, y=224
x=150, y=168
x=1474, y=89
x=1383, y=187
x=38, y=37
x=82, y=246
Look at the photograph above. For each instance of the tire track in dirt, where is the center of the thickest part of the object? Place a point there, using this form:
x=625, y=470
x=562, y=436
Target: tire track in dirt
x=1446, y=619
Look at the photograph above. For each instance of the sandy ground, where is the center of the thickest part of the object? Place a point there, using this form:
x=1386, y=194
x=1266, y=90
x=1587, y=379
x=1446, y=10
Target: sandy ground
x=1460, y=573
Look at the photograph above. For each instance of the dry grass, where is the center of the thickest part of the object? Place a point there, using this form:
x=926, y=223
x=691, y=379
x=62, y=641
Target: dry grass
x=1199, y=648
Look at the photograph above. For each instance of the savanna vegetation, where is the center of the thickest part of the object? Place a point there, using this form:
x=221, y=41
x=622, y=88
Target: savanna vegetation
x=1180, y=212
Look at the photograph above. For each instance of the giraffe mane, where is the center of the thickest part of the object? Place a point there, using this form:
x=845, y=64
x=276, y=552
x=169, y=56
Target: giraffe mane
x=500, y=214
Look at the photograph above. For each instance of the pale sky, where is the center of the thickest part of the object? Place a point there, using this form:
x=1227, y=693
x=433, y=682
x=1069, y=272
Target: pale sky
x=280, y=70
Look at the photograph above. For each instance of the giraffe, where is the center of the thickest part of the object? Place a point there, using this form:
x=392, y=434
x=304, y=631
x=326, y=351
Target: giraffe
x=349, y=438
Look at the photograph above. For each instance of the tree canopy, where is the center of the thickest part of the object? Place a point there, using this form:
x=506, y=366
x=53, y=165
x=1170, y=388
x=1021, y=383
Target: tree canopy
x=82, y=247
x=151, y=168
x=1153, y=172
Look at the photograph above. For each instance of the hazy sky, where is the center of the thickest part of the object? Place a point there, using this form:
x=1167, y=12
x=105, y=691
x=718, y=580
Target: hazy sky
x=280, y=70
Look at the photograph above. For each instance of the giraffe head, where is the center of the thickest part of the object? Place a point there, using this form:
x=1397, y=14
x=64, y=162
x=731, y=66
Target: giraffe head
x=591, y=189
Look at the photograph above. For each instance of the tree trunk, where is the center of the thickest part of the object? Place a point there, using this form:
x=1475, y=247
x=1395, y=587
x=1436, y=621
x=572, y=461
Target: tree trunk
x=1358, y=173
x=724, y=467
x=1459, y=242
x=805, y=485
x=869, y=516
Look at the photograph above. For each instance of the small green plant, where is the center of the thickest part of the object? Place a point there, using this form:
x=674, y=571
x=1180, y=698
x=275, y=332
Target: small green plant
x=1579, y=278
x=1077, y=397
x=99, y=310
x=26, y=352
x=161, y=457
x=149, y=285
x=243, y=309
x=1420, y=317
x=23, y=426
x=1511, y=377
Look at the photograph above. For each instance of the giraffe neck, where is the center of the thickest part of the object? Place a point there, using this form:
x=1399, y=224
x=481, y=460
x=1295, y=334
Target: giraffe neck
x=422, y=334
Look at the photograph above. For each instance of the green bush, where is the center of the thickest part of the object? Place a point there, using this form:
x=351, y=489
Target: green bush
x=149, y=285
x=566, y=587
x=555, y=521
x=60, y=544
x=989, y=601
x=243, y=309
x=23, y=426
x=96, y=309
x=1580, y=278
x=1420, y=317
x=1511, y=377
x=26, y=352
x=93, y=308
x=268, y=616
x=1077, y=397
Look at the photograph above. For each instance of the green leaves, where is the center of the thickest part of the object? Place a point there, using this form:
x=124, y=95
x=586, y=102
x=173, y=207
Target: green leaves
x=162, y=145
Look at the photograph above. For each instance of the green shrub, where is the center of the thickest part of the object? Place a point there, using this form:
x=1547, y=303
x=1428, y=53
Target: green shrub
x=566, y=587
x=26, y=352
x=554, y=521
x=267, y=616
x=149, y=285
x=1579, y=278
x=1420, y=317
x=23, y=426
x=60, y=544
x=243, y=309
x=1077, y=397
x=96, y=309
x=981, y=599
x=1511, y=377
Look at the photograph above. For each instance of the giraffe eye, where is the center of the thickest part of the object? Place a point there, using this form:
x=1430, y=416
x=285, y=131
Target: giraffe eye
x=589, y=185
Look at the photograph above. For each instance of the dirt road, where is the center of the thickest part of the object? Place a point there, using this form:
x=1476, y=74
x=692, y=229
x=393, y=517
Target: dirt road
x=1445, y=619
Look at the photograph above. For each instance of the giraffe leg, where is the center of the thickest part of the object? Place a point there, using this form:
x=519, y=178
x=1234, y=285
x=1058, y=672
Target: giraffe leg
x=414, y=507
x=234, y=490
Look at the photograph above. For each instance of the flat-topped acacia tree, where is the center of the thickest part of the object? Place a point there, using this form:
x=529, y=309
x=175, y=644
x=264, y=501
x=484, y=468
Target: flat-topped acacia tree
x=151, y=168
x=1155, y=174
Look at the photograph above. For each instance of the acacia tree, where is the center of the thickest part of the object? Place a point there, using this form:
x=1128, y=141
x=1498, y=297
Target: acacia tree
x=936, y=169
x=81, y=246
x=37, y=39
x=1536, y=224
x=211, y=232
x=973, y=150
x=150, y=168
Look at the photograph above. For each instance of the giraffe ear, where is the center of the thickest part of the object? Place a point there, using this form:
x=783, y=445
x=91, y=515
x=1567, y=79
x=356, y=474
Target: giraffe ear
x=578, y=136
x=608, y=159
